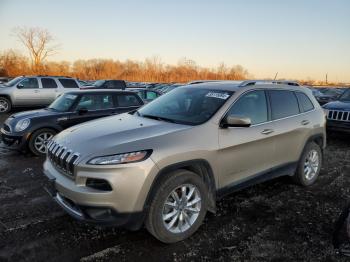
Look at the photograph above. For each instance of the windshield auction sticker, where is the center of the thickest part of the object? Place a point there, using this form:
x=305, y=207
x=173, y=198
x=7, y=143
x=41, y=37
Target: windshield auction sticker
x=218, y=95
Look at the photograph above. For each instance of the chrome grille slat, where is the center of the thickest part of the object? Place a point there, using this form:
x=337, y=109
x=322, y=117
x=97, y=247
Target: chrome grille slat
x=339, y=115
x=62, y=158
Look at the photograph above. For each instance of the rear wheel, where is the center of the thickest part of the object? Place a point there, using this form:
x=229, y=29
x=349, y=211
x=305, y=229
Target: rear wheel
x=178, y=208
x=310, y=165
x=5, y=105
x=39, y=140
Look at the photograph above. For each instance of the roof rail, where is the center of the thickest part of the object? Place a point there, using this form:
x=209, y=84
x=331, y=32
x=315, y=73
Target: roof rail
x=269, y=82
x=53, y=76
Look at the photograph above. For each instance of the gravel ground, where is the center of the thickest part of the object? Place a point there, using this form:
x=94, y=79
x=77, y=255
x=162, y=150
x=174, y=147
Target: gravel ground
x=273, y=221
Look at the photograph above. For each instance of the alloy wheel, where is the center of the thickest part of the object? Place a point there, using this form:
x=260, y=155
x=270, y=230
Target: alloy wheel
x=181, y=208
x=311, y=165
x=41, y=141
x=3, y=105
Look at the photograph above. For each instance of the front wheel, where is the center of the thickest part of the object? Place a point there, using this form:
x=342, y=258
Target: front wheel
x=39, y=140
x=309, y=166
x=178, y=207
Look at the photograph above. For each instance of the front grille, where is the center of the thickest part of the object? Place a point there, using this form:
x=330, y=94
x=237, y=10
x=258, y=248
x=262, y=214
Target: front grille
x=7, y=128
x=338, y=115
x=62, y=158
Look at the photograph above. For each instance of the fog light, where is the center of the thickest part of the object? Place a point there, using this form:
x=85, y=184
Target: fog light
x=99, y=184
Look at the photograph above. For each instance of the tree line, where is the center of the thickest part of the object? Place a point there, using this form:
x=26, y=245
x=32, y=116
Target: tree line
x=13, y=63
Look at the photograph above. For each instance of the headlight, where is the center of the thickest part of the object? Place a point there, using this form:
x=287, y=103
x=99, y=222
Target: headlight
x=121, y=158
x=22, y=125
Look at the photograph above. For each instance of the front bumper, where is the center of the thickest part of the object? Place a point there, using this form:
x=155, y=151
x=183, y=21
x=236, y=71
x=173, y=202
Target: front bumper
x=14, y=141
x=338, y=126
x=104, y=216
x=121, y=206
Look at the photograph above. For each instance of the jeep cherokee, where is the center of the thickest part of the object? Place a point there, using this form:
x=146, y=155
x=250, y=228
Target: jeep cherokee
x=338, y=113
x=165, y=164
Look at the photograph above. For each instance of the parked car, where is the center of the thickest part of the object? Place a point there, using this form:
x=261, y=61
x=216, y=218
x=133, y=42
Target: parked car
x=338, y=113
x=33, y=91
x=33, y=129
x=84, y=83
x=315, y=92
x=147, y=95
x=167, y=163
x=106, y=84
x=4, y=80
x=168, y=88
x=327, y=95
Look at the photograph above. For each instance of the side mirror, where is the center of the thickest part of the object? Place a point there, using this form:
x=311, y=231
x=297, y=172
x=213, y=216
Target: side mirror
x=82, y=111
x=235, y=121
x=19, y=86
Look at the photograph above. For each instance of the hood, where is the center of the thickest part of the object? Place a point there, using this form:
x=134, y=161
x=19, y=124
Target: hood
x=338, y=105
x=116, y=134
x=3, y=86
x=33, y=113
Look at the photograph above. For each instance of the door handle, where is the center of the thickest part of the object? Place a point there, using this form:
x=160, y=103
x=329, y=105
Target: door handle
x=267, y=131
x=305, y=122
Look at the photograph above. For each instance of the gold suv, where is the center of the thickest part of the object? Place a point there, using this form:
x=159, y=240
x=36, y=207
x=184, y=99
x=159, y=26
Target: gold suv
x=166, y=164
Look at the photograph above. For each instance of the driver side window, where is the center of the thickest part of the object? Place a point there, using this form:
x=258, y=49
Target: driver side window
x=29, y=83
x=252, y=105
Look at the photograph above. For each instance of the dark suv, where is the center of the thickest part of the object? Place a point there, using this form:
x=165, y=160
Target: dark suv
x=33, y=129
x=338, y=113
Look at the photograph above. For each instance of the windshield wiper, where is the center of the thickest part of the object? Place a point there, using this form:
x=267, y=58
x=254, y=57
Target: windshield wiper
x=159, y=118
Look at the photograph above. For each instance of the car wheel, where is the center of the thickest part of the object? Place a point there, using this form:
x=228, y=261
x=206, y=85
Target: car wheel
x=309, y=166
x=39, y=140
x=5, y=105
x=178, y=207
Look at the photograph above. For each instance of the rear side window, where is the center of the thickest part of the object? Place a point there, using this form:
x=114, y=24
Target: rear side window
x=283, y=104
x=68, y=83
x=48, y=83
x=128, y=100
x=304, y=102
x=95, y=102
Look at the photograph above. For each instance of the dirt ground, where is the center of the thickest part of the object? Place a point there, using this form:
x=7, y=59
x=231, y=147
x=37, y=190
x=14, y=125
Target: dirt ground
x=273, y=221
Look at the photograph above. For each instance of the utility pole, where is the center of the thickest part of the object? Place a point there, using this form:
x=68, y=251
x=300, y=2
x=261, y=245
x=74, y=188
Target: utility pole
x=276, y=76
x=326, y=78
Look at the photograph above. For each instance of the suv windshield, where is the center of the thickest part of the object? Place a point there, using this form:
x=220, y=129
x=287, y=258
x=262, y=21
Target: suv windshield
x=13, y=81
x=63, y=103
x=345, y=96
x=188, y=105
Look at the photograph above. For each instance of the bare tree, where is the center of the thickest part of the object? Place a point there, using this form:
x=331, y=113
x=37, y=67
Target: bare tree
x=38, y=42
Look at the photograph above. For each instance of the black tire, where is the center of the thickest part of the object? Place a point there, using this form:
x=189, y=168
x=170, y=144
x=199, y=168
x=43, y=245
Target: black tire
x=33, y=149
x=154, y=221
x=5, y=101
x=300, y=177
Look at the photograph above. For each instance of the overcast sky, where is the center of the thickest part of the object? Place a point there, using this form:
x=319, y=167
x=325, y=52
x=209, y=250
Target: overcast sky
x=298, y=38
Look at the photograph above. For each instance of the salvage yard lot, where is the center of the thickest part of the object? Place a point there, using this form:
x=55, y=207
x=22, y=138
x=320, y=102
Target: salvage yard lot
x=276, y=220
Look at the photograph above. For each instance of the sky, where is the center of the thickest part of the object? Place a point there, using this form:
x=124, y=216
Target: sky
x=299, y=39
